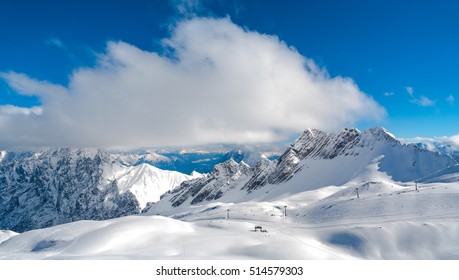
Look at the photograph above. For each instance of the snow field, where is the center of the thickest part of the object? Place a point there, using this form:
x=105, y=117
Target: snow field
x=388, y=221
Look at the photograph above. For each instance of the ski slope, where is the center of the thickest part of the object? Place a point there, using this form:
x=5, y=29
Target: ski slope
x=387, y=221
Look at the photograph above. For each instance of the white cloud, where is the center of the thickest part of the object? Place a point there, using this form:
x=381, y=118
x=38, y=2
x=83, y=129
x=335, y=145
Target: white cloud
x=187, y=8
x=410, y=91
x=450, y=99
x=389, y=94
x=56, y=42
x=23, y=85
x=423, y=101
x=221, y=83
x=12, y=110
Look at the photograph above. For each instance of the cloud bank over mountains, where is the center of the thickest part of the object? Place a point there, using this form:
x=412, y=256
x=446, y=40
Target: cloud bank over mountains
x=213, y=82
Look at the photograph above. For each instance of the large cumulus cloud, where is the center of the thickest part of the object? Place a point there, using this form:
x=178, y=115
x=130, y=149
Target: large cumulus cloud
x=214, y=82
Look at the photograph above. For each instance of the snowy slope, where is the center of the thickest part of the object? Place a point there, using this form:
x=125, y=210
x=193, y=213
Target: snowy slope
x=6, y=234
x=148, y=183
x=447, y=175
x=2, y=155
x=388, y=221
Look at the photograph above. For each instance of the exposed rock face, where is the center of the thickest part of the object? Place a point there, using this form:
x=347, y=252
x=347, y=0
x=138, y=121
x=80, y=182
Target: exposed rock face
x=59, y=186
x=65, y=185
x=261, y=174
x=224, y=177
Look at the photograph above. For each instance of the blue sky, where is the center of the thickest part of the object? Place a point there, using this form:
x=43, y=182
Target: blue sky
x=403, y=54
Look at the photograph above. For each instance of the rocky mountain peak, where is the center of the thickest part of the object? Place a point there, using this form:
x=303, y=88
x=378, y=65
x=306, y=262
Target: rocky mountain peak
x=62, y=185
x=378, y=134
x=226, y=168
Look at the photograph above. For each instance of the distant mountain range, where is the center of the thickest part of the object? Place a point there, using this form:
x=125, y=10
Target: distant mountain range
x=445, y=147
x=199, y=159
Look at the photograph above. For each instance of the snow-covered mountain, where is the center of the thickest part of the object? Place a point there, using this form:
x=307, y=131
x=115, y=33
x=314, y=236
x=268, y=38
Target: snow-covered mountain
x=147, y=183
x=182, y=161
x=58, y=186
x=323, y=158
x=343, y=195
x=224, y=177
x=140, y=157
x=316, y=159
